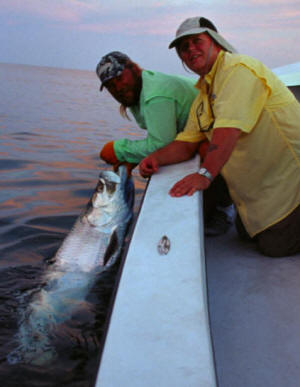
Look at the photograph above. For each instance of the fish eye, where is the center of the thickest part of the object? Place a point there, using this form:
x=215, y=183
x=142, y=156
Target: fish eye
x=100, y=186
x=111, y=187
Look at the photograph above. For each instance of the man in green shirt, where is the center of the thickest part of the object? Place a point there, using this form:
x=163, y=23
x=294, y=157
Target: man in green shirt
x=160, y=104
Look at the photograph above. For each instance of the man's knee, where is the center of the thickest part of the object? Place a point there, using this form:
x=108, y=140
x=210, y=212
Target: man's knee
x=273, y=251
x=276, y=246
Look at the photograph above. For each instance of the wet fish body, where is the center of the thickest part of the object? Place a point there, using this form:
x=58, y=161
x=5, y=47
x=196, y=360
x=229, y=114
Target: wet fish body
x=94, y=243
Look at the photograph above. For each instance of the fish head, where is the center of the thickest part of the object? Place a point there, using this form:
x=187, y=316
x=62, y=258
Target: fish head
x=113, y=198
x=114, y=186
x=106, y=189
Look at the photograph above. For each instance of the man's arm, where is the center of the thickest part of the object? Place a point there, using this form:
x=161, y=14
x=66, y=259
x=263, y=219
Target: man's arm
x=159, y=119
x=175, y=152
x=221, y=146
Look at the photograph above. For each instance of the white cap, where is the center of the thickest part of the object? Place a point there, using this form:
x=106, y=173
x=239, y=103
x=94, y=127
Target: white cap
x=199, y=25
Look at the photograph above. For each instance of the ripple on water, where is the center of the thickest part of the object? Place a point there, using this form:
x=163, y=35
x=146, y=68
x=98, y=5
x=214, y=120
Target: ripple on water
x=51, y=133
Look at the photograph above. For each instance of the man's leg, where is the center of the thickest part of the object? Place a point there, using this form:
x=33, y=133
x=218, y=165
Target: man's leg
x=218, y=208
x=282, y=239
x=217, y=204
x=240, y=228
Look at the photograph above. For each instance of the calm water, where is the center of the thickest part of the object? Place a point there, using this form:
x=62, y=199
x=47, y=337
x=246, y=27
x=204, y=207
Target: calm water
x=53, y=122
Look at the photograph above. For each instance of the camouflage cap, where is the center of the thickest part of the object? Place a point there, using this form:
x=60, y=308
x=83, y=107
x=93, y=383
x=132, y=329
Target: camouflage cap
x=110, y=66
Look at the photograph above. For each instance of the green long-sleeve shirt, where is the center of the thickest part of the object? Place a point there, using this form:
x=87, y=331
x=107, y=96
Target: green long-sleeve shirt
x=163, y=109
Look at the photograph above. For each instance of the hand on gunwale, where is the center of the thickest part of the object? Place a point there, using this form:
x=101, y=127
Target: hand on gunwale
x=148, y=166
x=189, y=185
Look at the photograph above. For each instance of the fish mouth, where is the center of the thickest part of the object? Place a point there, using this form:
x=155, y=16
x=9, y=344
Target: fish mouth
x=116, y=177
x=110, y=186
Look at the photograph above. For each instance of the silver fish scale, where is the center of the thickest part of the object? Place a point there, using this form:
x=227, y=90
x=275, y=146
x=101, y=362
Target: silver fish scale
x=77, y=263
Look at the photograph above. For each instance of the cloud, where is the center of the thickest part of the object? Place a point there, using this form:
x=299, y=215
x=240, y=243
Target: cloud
x=262, y=28
x=79, y=10
x=59, y=10
x=155, y=25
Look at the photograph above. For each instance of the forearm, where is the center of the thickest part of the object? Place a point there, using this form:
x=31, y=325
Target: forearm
x=221, y=146
x=159, y=116
x=175, y=152
x=136, y=150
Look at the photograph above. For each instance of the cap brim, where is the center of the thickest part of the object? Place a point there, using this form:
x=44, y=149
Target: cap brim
x=213, y=34
x=193, y=31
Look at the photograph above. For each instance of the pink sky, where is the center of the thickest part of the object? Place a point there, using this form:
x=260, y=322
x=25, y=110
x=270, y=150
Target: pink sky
x=76, y=33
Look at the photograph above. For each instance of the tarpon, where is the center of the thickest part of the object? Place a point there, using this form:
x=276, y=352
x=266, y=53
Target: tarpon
x=94, y=243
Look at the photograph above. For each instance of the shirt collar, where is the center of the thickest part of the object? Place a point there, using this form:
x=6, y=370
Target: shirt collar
x=209, y=77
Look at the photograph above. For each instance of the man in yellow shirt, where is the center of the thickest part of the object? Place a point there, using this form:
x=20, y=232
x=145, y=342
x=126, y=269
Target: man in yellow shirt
x=252, y=123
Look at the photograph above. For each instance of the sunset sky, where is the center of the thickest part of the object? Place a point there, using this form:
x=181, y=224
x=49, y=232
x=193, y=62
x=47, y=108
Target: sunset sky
x=77, y=33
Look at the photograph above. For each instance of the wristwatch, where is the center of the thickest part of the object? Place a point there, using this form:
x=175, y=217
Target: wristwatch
x=204, y=172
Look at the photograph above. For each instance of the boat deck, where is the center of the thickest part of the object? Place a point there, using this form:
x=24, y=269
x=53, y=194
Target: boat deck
x=254, y=305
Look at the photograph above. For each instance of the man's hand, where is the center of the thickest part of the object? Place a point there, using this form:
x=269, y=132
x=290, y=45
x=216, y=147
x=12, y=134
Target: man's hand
x=108, y=154
x=129, y=166
x=189, y=185
x=148, y=166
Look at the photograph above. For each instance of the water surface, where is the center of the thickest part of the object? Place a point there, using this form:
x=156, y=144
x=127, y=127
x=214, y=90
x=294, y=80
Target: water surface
x=53, y=122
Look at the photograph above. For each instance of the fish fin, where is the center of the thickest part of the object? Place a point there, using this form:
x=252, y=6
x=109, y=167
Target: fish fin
x=112, y=247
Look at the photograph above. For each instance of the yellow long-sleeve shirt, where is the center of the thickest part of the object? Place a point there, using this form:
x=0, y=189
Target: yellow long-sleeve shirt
x=263, y=171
